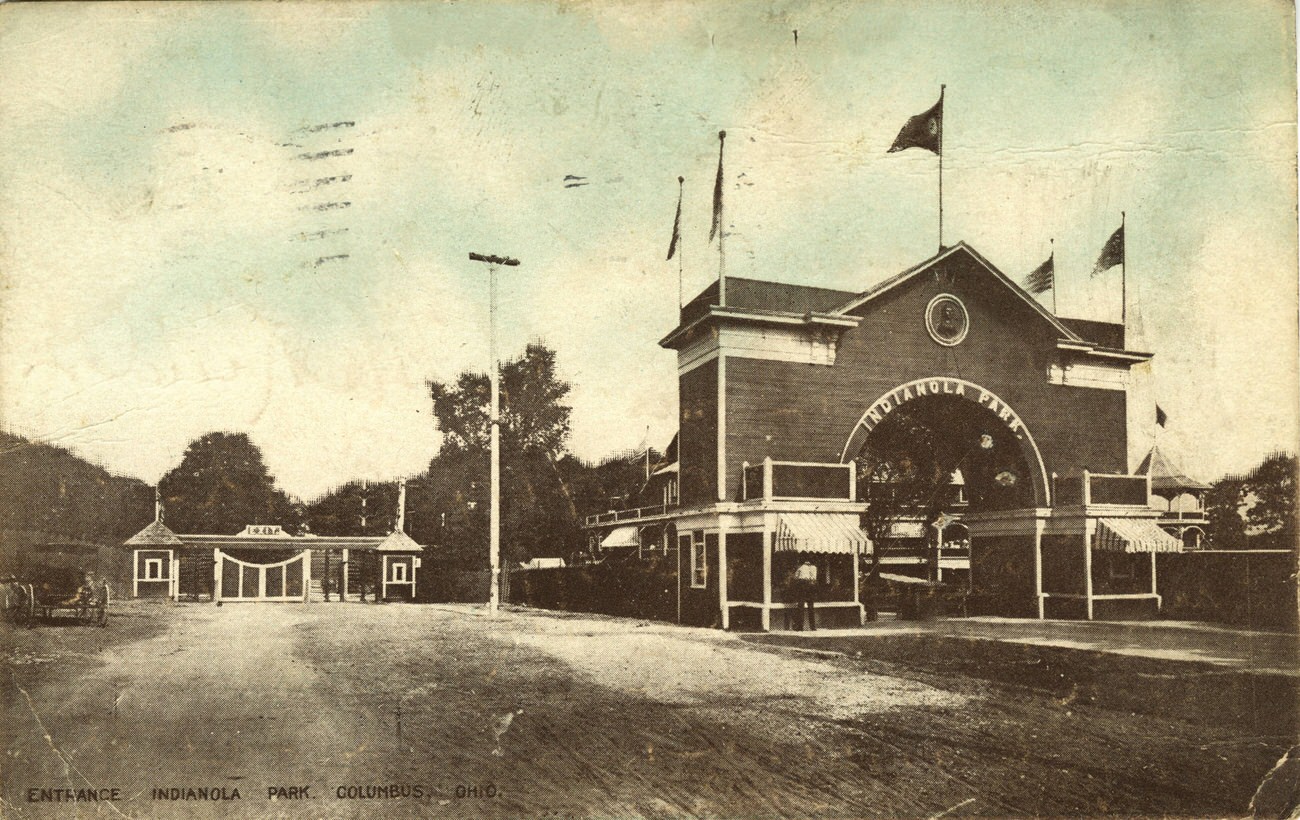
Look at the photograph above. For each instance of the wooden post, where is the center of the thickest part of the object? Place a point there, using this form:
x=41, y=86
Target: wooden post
x=216, y=575
x=306, y=577
x=325, y=582
x=767, y=576
x=767, y=478
x=343, y=588
x=1039, y=525
x=173, y=575
x=135, y=574
x=1159, y=602
x=722, y=574
x=857, y=584
x=1088, y=529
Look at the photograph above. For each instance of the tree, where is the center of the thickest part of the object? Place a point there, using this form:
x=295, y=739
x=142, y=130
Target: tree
x=1257, y=510
x=539, y=517
x=223, y=485
x=356, y=508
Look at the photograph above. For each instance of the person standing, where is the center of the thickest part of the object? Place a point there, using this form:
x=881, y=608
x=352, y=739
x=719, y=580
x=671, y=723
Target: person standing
x=806, y=586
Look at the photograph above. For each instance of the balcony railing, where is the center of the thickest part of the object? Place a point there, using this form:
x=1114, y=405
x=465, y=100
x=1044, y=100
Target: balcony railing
x=615, y=516
x=798, y=480
x=1103, y=488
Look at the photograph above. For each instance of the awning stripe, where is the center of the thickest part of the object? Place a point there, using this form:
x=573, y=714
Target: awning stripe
x=621, y=537
x=820, y=532
x=1133, y=535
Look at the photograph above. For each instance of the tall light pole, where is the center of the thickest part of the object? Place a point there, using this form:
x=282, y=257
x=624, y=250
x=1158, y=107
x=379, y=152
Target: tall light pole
x=494, y=423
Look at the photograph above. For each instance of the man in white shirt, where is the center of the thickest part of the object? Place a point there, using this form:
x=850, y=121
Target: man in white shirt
x=806, y=583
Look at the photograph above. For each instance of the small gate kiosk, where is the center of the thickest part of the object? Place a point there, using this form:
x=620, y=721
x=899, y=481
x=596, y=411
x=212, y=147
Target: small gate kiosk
x=263, y=563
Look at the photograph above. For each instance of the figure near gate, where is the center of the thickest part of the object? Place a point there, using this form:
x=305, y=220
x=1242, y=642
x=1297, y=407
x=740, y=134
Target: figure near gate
x=805, y=582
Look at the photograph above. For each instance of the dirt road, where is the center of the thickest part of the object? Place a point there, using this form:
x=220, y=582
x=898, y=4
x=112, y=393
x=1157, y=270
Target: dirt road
x=361, y=710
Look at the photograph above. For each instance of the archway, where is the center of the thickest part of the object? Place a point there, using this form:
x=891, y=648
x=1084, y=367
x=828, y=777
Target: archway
x=957, y=412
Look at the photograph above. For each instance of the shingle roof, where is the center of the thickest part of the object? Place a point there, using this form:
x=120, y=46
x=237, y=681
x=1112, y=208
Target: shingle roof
x=154, y=535
x=757, y=294
x=1166, y=475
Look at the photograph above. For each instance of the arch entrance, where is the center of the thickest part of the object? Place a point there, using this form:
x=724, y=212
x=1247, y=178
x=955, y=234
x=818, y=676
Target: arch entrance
x=955, y=425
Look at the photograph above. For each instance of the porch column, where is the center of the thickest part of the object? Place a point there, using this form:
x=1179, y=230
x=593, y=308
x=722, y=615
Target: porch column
x=857, y=584
x=216, y=575
x=767, y=578
x=1039, y=526
x=306, y=576
x=1088, y=528
x=135, y=573
x=173, y=574
x=722, y=575
x=343, y=591
x=1159, y=600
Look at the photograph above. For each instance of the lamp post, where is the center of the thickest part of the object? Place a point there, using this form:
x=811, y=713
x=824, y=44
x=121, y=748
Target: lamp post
x=494, y=423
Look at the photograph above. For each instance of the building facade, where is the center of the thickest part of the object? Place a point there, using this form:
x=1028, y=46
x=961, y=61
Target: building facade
x=944, y=410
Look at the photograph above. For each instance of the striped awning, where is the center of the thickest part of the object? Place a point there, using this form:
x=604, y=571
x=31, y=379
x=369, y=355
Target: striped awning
x=621, y=537
x=820, y=532
x=1133, y=535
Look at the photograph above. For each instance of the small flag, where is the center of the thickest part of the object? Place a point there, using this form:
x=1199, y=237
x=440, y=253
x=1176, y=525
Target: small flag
x=1043, y=277
x=922, y=131
x=677, y=221
x=1161, y=417
x=717, y=192
x=1112, y=253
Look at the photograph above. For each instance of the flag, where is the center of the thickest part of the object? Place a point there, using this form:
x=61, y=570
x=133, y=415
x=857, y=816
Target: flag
x=1043, y=277
x=677, y=221
x=717, y=192
x=1161, y=416
x=922, y=131
x=1113, y=252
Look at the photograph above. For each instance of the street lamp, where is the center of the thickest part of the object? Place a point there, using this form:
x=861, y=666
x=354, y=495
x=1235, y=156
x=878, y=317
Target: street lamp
x=494, y=422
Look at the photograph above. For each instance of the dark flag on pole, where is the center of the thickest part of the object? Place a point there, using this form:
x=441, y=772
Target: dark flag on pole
x=1112, y=253
x=717, y=192
x=922, y=131
x=1161, y=417
x=1042, y=278
x=677, y=221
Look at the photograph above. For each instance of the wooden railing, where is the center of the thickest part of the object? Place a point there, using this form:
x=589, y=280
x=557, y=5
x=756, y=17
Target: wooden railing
x=615, y=516
x=798, y=480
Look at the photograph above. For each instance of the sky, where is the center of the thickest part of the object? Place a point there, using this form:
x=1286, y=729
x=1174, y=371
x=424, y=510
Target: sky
x=177, y=257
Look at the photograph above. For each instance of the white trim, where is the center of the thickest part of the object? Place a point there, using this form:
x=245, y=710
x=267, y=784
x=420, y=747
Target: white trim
x=220, y=558
x=1095, y=376
x=722, y=575
x=722, y=426
x=900, y=278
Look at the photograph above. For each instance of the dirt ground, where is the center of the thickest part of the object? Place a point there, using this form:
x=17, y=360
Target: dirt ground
x=349, y=710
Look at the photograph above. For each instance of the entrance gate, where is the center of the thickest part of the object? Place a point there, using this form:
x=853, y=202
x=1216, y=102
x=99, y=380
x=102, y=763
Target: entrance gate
x=237, y=580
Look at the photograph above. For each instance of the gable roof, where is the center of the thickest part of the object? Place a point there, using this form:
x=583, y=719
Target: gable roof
x=1166, y=474
x=950, y=251
x=154, y=535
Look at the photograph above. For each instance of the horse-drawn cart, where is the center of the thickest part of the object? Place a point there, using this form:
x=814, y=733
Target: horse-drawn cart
x=26, y=603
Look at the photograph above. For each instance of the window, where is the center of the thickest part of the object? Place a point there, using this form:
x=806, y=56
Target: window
x=153, y=569
x=699, y=563
x=397, y=572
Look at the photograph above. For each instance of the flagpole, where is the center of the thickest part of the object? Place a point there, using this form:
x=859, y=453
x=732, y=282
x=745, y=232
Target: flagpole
x=941, y=124
x=1052, y=255
x=681, y=296
x=1123, y=273
x=722, y=232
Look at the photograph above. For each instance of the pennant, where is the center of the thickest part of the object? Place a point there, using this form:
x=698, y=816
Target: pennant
x=1112, y=253
x=922, y=131
x=1043, y=277
x=677, y=221
x=1161, y=416
x=717, y=192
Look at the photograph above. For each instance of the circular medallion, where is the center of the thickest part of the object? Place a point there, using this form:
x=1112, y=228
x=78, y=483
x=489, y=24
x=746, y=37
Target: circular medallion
x=947, y=320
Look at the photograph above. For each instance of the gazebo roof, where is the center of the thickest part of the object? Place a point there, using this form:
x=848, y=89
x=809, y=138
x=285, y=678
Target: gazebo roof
x=1166, y=475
